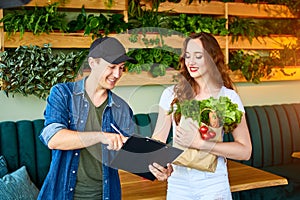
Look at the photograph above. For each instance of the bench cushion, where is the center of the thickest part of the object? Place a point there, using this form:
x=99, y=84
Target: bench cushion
x=17, y=185
x=274, y=132
x=21, y=146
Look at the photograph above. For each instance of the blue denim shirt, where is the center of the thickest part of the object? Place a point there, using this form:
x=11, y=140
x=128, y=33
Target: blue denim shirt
x=67, y=108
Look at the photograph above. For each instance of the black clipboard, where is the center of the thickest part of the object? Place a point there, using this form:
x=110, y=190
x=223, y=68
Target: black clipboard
x=139, y=152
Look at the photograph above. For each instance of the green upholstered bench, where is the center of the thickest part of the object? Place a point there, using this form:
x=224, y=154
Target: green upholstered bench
x=275, y=133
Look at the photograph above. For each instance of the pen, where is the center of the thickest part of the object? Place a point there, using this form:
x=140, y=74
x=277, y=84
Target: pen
x=115, y=128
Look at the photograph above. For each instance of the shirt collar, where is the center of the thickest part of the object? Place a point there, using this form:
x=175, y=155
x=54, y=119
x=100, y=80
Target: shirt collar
x=79, y=90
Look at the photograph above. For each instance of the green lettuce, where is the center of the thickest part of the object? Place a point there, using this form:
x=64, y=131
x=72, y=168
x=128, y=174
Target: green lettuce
x=228, y=113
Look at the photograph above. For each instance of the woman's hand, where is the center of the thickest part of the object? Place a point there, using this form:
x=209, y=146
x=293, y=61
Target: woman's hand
x=160, y=172
x=187, y=135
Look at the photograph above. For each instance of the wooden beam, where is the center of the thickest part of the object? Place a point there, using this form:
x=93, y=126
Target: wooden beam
x=78, y=40
x=213, y=8
x=262, y=43
x=145, y=78
x=56, y=40
x=88, y=4
x=259, y=10
x=218, y=8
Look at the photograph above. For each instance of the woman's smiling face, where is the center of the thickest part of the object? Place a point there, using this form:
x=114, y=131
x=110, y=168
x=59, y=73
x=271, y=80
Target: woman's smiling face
x=194, y=58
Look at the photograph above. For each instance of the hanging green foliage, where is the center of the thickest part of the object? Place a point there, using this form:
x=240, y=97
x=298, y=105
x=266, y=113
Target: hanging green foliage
x=32, y=70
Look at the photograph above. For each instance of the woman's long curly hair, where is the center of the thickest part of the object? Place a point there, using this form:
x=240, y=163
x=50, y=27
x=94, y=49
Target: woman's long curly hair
x=213, y=53
x=186, y=87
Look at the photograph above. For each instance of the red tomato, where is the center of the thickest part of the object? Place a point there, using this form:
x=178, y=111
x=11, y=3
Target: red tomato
x=212, y=134
x=203, y=129
x=205, y=136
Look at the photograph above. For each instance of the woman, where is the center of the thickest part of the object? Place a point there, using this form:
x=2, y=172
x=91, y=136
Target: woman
x=203, y=74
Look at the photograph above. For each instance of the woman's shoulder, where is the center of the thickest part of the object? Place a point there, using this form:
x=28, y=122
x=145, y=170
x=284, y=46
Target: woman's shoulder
x=233, y=95
x=169, y=91
x=228, y=92
x=167, y=97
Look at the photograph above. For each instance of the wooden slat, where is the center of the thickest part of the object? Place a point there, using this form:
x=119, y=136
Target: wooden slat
x=276, y=75
x=213, y=8
x=131, y=79
x=296, y=155
x=57, y=40
x=144, y=78
x=234, y=9
x=259, y=10
x=77, y=40
x=174, y=41
x=119, y=5
x=263, y=43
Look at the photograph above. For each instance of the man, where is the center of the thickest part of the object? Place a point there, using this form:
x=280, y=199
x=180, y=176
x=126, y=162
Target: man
x=78, y=129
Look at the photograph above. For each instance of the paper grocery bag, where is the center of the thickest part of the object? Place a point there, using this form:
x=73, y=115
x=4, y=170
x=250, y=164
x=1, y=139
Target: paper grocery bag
x=194, y=158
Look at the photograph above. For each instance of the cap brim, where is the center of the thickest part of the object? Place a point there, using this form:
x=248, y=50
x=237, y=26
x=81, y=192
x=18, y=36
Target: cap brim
x=124, y=58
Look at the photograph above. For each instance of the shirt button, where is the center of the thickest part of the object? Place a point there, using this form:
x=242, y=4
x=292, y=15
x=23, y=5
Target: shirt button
x=73, y=171
x=85, y=105
x=105, y=181
x=71, y=189
x=76, y=154
x=81, y=121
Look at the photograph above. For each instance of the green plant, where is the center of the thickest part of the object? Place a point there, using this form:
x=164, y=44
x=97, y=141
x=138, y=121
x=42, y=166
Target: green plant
x=187, y=24
x=246, y=28
x=280, y=26
x=142, y=21
x=109, y=3
x=32, y=70
x=290, y=55
x=293, y=5
x=140, y=17
x=38, y=20
x=154, y=60
x=100, y=25
x=253, y=66
x=80, y=22
x=96, y=25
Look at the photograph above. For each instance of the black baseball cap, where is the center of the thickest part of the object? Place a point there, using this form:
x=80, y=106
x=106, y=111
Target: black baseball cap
x=110, y=49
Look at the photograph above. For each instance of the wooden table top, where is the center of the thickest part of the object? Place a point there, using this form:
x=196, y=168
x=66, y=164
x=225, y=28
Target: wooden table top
x=244, y=177
x=296, y=155
x=241, y=177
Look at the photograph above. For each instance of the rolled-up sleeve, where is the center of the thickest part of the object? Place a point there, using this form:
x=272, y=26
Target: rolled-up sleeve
x=56, y=114
x=49, y=131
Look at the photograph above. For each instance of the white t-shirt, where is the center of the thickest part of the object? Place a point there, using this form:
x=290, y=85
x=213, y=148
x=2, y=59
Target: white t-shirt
x=168, y=95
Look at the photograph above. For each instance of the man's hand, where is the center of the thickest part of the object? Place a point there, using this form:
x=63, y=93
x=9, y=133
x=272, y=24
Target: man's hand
x=114, y=141
x=160, y=172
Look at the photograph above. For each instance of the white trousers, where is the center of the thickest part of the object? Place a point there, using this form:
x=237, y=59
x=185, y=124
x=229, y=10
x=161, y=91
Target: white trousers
x=192, y=184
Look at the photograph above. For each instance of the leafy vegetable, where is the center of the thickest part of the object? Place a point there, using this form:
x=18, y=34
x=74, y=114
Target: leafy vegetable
x=227, y=112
